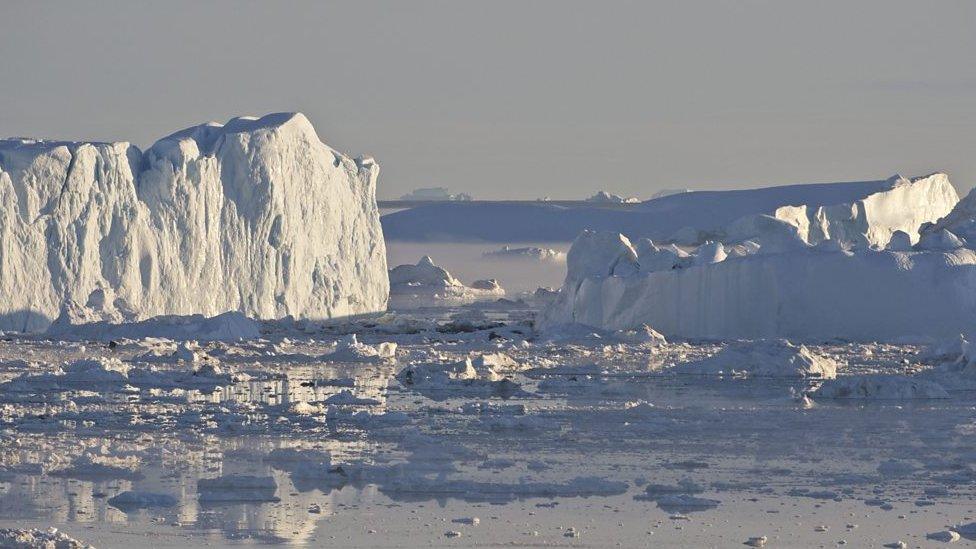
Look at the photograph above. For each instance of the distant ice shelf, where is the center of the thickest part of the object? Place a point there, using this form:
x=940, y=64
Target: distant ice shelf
x=863, y=213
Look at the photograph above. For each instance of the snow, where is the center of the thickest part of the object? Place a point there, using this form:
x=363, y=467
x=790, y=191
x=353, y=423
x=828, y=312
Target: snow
x=862, y=213
x=805, y=293
x=208, y=220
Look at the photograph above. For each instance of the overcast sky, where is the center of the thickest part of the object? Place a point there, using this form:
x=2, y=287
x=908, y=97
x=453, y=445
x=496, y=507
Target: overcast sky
x=523, y=99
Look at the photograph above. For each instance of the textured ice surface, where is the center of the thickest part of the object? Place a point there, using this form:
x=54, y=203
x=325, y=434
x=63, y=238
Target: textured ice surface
x=256, y=216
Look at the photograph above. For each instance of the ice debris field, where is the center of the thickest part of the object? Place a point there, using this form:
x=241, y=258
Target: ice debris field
x=203, y=344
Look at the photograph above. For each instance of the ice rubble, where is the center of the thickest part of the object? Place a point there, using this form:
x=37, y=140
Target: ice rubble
x=210, y=219
x=349, y=349
x=798, y=291
x=766, y=358
x=862, y=213
x=33, y=538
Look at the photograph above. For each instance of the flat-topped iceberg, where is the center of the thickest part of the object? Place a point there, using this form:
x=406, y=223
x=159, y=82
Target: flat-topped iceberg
x=256, y=216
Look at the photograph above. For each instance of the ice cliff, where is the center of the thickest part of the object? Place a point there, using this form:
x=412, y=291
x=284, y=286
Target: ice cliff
x=256, y=216
x=862, y=213
x=799, y=291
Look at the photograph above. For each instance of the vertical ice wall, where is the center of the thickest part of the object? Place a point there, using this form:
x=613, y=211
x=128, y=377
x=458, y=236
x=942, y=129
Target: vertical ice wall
x=257, y=216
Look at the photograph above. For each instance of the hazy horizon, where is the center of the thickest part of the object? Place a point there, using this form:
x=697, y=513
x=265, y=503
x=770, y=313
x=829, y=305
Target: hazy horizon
x=523, y=100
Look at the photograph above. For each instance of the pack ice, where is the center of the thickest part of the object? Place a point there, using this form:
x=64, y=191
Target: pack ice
x=256, y=216
x=776, y=285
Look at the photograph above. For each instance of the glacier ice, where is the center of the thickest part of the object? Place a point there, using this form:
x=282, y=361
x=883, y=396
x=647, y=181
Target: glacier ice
x=256, y=216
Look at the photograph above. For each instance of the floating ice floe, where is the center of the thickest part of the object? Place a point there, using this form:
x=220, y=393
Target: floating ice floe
x=880, y=387
x=349, y=349
x=456, y=378
x=763, y=358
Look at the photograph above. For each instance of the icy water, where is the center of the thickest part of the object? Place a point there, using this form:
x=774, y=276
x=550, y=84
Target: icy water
x=586, y=444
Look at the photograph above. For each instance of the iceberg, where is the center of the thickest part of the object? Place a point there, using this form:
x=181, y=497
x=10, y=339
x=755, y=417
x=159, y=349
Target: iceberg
x=255, y=216
x=804, y=293
x=863, y=214
x=427, y=284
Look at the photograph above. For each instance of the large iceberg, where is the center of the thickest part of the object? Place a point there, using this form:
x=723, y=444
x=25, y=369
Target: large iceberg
x=863, y=213
x=802, y=292
x=256, y=216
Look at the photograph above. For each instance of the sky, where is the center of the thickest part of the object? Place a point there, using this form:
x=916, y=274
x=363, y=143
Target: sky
x=523, y=99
